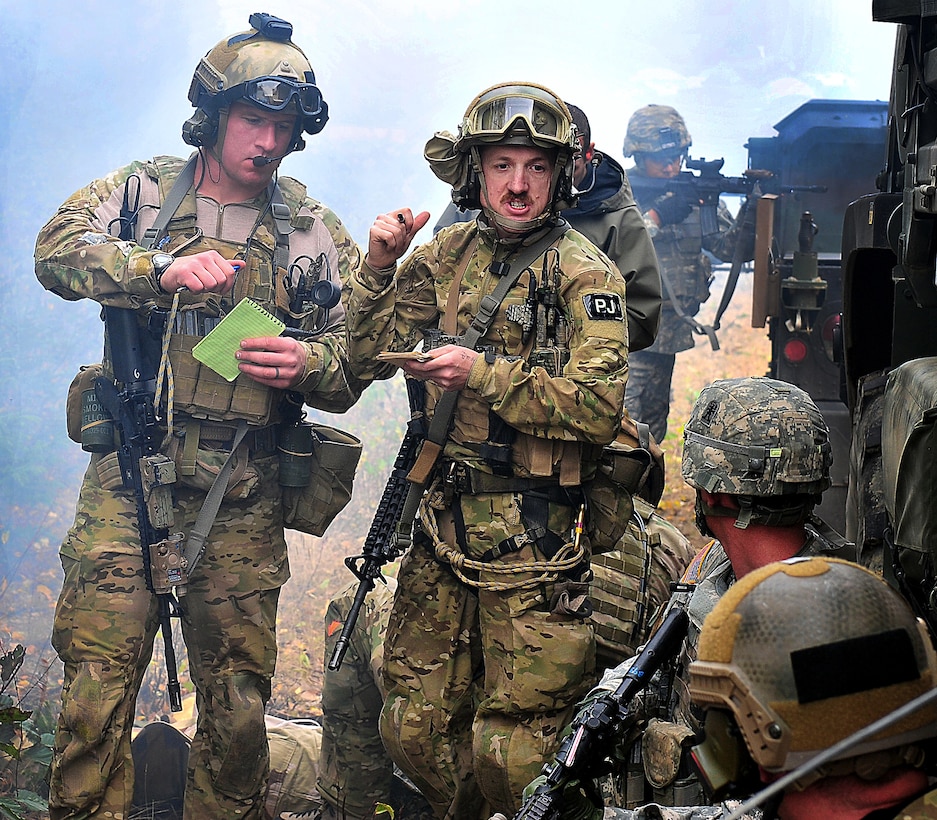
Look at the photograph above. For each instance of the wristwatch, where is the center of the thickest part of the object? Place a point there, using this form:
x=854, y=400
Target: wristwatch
x=161, y=261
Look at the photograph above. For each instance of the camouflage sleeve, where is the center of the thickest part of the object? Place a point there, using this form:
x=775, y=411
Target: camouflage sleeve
x=387, y=310
x=632, y=251
x=78, y=255
x=654, y=811
x=329, y=383
x=583, y=403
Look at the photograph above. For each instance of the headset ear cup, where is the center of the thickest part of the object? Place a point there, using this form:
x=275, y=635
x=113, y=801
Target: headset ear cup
x=313, y=125
x=201, y=129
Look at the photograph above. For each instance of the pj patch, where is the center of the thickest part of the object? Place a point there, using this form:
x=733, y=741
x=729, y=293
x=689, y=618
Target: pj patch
x=603, y=306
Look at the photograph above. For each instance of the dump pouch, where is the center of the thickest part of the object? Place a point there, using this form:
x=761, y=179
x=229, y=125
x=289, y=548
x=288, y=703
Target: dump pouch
x=198, y=470
x=312, y=508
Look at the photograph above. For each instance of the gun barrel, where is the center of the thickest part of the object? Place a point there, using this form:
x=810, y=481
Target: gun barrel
x=366, y=574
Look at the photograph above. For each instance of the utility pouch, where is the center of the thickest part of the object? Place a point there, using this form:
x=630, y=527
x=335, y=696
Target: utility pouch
x=311, y=508
x=201, y=393
x=74, y=415
x=199, y=472
x=631, y=465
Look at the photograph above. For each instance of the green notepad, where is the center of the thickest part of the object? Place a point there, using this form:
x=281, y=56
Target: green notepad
x=246, y=320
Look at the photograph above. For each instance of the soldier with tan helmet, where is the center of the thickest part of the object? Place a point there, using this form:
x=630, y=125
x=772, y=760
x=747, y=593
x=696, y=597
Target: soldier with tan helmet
x=658, y=139
x=181, y=243
x=795, y=658
x=524, y=360
x=816, y=686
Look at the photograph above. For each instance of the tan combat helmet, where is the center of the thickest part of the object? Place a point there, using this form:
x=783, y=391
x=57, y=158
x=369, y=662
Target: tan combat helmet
x=802, y=653
x=261, y=66
x=512, y=113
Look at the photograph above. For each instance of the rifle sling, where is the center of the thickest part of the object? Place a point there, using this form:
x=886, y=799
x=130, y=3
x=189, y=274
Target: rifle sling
x=195, y=543
x=748, y=225
x=699, y=329
x=438, y=431
x=167, y=210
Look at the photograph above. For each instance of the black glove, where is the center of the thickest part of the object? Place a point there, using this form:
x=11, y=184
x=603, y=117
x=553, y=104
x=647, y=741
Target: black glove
x=672, y=208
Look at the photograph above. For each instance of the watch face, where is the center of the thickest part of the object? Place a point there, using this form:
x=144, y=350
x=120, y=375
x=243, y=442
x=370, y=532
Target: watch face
x=161, y=261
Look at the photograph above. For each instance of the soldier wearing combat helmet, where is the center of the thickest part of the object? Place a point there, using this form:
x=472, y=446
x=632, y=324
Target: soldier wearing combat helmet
x=757, y=452
x=489, y=644
x=658, y=139
x=797, y=657
x=180, y=243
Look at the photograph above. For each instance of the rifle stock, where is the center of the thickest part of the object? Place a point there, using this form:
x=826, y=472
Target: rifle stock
x=597, y=724
x=146, y=472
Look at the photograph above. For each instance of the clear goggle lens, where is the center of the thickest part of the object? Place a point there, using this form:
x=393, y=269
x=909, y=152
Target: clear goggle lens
x=276, y=93
x=495, y=117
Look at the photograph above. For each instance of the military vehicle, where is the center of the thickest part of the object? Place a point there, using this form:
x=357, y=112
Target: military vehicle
x=889, y=323
x=826, y=154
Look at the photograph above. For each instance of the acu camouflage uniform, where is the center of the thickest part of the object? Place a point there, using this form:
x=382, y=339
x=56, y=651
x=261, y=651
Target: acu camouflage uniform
x=486, y=656
x=688, y=271
x=685, y=267
x=105, y=621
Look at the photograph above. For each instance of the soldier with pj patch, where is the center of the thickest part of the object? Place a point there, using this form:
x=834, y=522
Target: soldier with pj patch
x=525, y=342
x=658, y=139
x=180, y=243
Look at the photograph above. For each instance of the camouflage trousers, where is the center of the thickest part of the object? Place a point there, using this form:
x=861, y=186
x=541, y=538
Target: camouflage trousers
x=481, y=681
x=354, y=770
x=647, y=393
x=104, y=628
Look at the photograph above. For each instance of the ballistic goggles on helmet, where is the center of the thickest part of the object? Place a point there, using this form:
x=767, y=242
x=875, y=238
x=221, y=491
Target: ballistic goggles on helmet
x=497, y=111
x=276, y=93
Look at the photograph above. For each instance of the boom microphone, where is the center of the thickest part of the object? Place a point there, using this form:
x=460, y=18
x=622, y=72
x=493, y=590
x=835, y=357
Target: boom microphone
x=259, y=162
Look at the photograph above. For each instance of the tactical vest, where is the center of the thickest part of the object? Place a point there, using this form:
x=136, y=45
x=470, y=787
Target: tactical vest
x=659, y=770
x=688, y=269
x=199, y=392
x=680, y=255
x=478, y=433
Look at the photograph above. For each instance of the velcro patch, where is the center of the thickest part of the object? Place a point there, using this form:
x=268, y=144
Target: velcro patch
x=603, y=306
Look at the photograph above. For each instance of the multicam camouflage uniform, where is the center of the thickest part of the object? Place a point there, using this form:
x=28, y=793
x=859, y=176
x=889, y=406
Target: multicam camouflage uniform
x=105, y=620
x=924, y=808
x=481, y=676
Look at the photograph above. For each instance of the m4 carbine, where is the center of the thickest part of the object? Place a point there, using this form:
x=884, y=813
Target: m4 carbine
x=381, y=544
x=594, y=728
x=145, y=471
x=705, y=188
